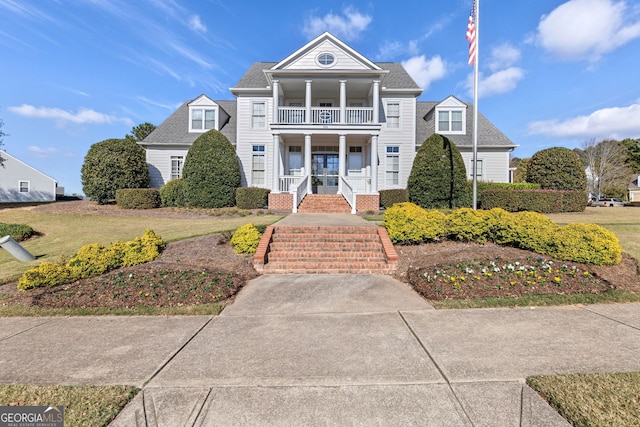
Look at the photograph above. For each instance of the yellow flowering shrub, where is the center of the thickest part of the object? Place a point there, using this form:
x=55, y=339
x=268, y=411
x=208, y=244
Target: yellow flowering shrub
x=588, y=243
x=246, y=239
x=46, y=274
x=467, y=224
x=409, y=223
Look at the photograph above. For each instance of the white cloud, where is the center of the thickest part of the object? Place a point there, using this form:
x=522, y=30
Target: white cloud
x=586, y=29
x=83, y=116
x=502, y=81
x=503, y=56
x=196, y=25
x=425, y=71
x=347, y=26
x=613, y=122
x=42, y=152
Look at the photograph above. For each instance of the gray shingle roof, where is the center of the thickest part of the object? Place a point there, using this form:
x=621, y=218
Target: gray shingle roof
x=633, y=185
x=175, y=129
x=254, y=78
x=488, y=134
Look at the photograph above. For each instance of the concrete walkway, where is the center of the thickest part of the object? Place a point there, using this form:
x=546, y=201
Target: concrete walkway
x=327, y=350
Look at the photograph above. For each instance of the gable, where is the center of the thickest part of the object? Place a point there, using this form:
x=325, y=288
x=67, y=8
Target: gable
x=345, y=58
x=202, y=100
x=452, y=102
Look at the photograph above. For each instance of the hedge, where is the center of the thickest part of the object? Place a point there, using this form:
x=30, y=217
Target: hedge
x=543, y=201
x=18, y=232
x=172, y=194
x=138, y=198
x=252, y=197
x=389, y=198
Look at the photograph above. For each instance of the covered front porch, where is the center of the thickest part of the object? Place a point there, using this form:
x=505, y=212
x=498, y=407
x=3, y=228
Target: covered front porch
x=326, y=163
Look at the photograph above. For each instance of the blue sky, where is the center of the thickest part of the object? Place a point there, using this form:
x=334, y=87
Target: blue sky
x=76, y=72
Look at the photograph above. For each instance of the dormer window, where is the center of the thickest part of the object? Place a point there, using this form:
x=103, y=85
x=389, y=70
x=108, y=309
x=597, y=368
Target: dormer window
x=202, y=119
x=326, y=59
x=450, y=121
x=451, y=117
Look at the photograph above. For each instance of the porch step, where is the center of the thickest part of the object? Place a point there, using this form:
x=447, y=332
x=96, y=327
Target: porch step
x=324, y=203
x=325, y=249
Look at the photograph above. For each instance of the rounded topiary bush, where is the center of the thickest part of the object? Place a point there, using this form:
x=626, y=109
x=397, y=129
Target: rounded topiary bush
x=557, y=168
x=138, y=198
x=467, y=224
x=409, y=223
x=211, y=172
x=246, y=239
x=172, y=194
x=438, y=176
x=499, y=224
x=588, y=243
x=111, y=165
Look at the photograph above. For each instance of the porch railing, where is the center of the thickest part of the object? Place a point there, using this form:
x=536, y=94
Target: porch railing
x=299, y=191
x=287, y=182
x=360, y=184
x=349, y=194
x=324, y=115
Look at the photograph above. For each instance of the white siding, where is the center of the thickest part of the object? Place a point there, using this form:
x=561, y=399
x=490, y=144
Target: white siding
x=495, y=164
x=404, y=137
x=41, y=187
x=343, y=60
x=159, y=162
x=248, y=137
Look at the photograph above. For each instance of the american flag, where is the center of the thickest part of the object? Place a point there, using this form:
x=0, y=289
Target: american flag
x=471, y=33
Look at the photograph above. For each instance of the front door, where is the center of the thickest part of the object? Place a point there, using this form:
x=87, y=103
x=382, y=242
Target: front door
x=324, y=173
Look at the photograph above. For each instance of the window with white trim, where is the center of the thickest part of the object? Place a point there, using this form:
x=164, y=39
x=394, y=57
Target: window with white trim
x=295, y=160
x=450, y=121
x=176, y=167
x=478, y=170
x=393, y=115
x=392, y=165
x=258, y=115
x=258, y=165
x=23, y=186
x=202, y=119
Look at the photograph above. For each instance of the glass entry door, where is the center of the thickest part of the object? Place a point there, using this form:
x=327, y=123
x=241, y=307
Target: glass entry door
x=324, y=173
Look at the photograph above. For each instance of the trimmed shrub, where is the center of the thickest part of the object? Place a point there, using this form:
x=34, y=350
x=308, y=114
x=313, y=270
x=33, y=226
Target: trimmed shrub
x=18, y=232
x=172, y=194
x=438, y=176
x=46, y=274
x=557, y=168
x=246, y=239
x=389, y=198
x=138, y=198
x=499, y=224
x=252, y=197
x=533, y=231
x=94, y=259
x=211, y=172
x=588, y=243
x=482, y=186
x=111, y=165
x=409, y=223
x=467, y=224
x=544, y=201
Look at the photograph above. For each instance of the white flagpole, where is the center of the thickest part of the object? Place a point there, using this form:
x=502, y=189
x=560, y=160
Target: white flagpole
x=475, y=107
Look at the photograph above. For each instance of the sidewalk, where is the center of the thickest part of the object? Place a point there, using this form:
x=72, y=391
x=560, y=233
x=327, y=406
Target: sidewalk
x=327, y=350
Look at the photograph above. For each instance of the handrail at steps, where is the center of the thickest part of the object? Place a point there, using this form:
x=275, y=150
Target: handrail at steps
x=349, y=194
x=299, y=190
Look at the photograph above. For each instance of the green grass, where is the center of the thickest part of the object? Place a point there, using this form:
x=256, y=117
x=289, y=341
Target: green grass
x=624, y=222
x=599, y=399
x=612, y=296
x=85, y=406
x=64, y=234
x=16, y=310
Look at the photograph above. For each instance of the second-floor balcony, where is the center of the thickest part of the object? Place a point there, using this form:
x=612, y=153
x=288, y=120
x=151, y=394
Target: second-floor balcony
x=325, y=116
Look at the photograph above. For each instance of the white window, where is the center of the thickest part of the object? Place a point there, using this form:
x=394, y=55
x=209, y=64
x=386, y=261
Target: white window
x=23, y=186
x=450, y=121
x=393, y=115
x=176, y=166
x=478, y=170
x=326, y=59
x=392, y=165
x=257, y=165
x=295, y=160
x=258, y=115
x=202, y=119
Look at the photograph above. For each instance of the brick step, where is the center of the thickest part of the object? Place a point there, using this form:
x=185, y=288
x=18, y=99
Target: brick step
x=326, y=256
x=336, y=238
x=337, y=267
x=324, y=203
x=324, y=245
x=333, y=229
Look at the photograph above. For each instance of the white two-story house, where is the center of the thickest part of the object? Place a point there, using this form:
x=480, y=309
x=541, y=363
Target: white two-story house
x=326, y=120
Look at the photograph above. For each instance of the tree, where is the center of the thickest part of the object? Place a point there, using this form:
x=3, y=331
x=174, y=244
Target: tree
x=607, y=168
x=140, y=132
x=520, y=174
x=2, y=135
x=111, y=165
x=211, y=172
x=438, y=177
x=557, y=168
x=633, y=153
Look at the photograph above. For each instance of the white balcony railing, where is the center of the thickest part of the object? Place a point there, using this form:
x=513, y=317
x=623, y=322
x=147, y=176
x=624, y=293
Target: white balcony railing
x=287, y=182
x=360, y=184
x=324, y=115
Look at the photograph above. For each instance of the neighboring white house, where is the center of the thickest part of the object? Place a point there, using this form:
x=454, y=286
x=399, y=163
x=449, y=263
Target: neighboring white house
x=20, y=183
x=326, y=120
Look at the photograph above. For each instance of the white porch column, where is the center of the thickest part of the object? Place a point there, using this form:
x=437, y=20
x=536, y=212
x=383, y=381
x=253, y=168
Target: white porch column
x=342, y=159
x=343, y=101
x=376, y=102
x=374, y=163
x=307, y=160
x=307, y=101
x=275, y=188
x=276, y=101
